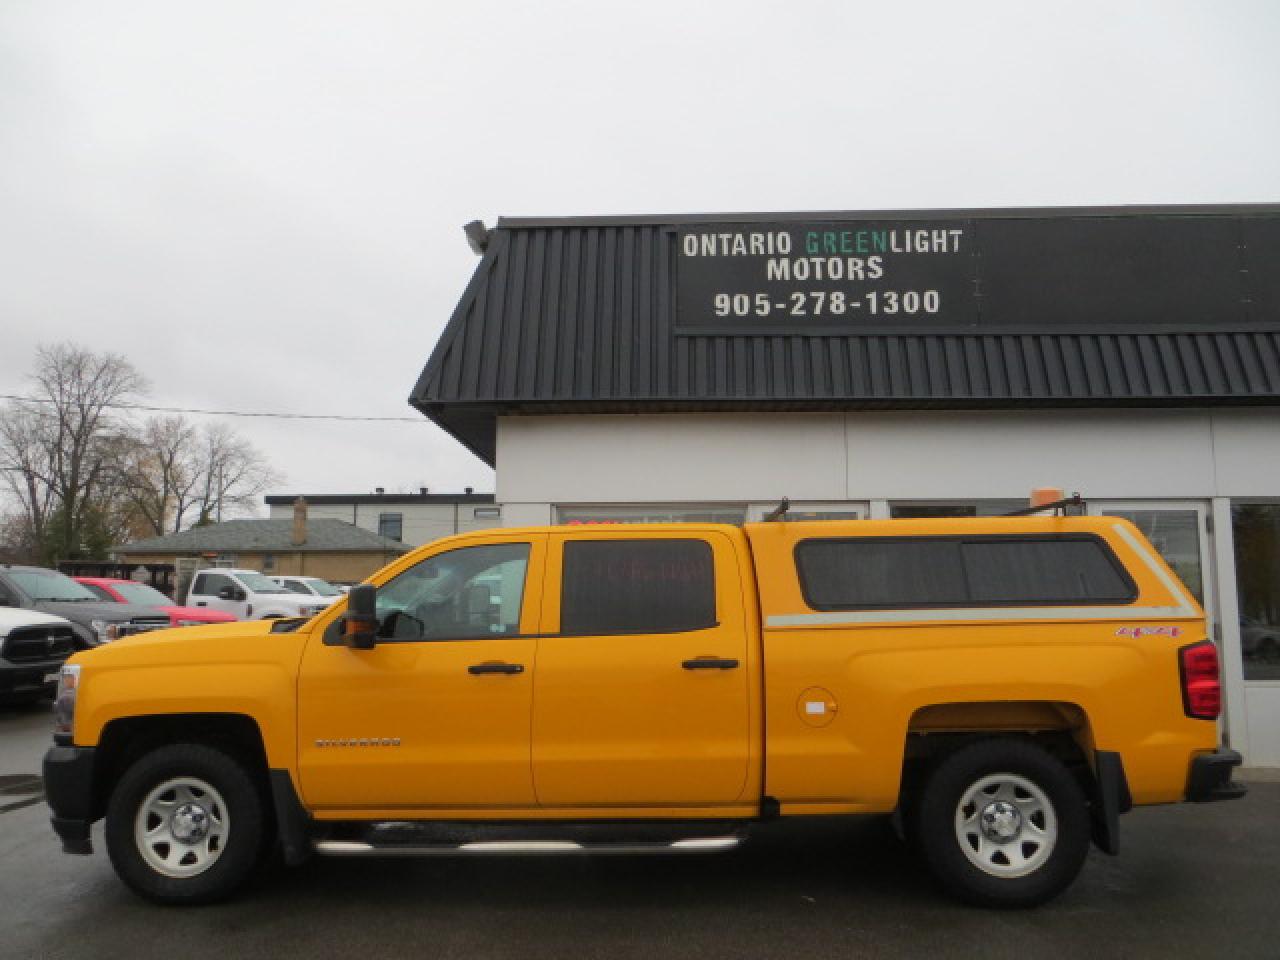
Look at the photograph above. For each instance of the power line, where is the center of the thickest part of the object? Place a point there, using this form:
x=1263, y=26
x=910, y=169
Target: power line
x=232, y=413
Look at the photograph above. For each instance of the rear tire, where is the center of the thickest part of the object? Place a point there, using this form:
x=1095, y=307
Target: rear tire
x=185, y=825
x=1001, y=823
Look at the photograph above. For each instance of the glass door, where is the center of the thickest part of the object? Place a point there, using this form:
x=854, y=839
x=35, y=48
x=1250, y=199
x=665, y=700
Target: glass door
x=1179, y=530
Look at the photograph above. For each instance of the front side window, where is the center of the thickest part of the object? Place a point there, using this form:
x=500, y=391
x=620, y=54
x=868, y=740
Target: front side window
x=904, y=572
x=467, y=594
x=637, y=586
x=208, y=584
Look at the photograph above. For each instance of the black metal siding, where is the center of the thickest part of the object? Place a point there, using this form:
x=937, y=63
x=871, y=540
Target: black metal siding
x=577, y=317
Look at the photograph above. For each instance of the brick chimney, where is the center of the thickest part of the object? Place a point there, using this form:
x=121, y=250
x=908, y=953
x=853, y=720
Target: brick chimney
x=299, y=522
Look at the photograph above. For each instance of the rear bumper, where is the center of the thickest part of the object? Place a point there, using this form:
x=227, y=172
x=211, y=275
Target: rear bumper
x=1210, y=778
x=68, y=787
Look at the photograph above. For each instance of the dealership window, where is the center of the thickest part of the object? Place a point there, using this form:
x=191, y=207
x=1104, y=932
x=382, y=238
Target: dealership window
x=960, y=572
x=1255, y=529
x=1176, y=536
x=913, y=509
x=653, y=513
x=637, y=586
x=391, y=526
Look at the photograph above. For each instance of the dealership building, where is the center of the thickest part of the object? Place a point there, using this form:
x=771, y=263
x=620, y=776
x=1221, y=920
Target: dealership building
x=895, y=364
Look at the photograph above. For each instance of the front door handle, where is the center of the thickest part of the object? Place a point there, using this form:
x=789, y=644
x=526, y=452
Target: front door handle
x=495, y=667
x=710, y=663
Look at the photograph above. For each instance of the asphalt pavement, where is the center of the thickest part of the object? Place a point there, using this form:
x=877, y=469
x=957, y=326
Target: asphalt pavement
x=1191, y=881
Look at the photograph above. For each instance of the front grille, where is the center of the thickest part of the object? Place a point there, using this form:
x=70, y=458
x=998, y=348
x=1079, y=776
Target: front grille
x=142, y=625
x=31, y=644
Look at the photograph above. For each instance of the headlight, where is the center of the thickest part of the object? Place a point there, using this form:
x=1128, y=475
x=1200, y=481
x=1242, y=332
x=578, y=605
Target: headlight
x=64, y=702
x=104, y=631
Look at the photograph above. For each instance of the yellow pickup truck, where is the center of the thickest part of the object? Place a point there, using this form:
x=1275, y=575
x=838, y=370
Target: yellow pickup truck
x=1004, y=687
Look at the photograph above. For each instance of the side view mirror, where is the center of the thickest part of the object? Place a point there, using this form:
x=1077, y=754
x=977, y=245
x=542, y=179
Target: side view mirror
x=241, y=596
x=360, y=624
x=227, y=593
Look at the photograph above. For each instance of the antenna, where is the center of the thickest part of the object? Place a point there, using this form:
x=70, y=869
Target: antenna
x=779, y=511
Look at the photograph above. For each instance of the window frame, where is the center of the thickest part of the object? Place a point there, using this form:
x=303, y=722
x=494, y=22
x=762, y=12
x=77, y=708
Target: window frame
x=715, y=595
x=1107, y=551
x=386, y=518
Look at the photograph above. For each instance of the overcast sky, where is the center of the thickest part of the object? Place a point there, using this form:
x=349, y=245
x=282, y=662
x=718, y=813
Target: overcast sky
x=260, y=203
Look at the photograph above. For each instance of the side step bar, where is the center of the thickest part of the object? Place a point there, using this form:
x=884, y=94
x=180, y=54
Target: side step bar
x=349, y=848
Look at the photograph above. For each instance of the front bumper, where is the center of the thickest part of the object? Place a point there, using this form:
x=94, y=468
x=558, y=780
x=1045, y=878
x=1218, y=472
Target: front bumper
x=26, y=679
x=68, y=787
x=1210, y=778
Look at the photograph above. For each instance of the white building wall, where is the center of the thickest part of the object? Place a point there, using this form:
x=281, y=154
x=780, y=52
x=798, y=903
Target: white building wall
x=422, y=522
x=899, y=455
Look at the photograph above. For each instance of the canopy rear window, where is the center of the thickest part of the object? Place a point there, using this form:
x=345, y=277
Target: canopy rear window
x=974, y=571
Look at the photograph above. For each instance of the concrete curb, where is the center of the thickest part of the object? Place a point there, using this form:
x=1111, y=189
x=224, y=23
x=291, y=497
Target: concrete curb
x=1259, y=774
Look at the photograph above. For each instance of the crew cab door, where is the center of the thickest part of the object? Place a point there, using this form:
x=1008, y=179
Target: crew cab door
x=204, y=593
x=642, y=692
x=437, y=713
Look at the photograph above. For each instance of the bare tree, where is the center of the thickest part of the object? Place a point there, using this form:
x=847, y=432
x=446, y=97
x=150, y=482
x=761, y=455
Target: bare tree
x=232, y=474
x=162, y=472
x=61, y=448
x=25, y=469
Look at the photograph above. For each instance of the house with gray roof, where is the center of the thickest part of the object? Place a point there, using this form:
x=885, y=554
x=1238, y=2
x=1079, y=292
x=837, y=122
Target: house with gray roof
x=324, y=547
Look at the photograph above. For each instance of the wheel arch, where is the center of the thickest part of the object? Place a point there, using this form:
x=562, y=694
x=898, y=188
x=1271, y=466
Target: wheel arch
x=126, y=739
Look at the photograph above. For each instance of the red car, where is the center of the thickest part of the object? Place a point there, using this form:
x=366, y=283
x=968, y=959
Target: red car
x=128, y=591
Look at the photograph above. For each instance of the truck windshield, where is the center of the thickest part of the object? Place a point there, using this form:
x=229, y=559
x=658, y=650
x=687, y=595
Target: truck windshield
x=141, y=593
x=260, y=584
x=323, y=587
x=50, y=585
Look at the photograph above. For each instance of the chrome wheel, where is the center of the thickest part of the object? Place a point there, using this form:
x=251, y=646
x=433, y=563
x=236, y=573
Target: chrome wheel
x=1006, y=825
x=182, y=827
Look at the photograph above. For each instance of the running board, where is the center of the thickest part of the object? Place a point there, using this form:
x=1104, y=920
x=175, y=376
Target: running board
x=348, y=848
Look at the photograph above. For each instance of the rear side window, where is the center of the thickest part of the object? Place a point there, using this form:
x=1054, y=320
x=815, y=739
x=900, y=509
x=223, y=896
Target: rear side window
x=960, y=572
x=637, y=586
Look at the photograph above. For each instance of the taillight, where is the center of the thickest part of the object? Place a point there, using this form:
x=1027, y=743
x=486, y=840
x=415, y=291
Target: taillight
x=1201, y=685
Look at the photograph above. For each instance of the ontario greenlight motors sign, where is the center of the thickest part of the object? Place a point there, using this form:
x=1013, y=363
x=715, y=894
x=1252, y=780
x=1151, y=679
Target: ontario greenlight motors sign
x=971, y=274
x=808, y=275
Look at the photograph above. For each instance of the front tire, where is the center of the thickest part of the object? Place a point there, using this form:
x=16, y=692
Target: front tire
x=185, y=825
x=1001, y=823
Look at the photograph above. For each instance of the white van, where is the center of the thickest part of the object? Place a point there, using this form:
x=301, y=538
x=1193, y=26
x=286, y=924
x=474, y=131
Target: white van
x=248, y=595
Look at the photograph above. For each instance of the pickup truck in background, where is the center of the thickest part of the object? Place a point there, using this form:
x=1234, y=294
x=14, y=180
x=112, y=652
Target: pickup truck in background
x=129, y=591
x=1005, y=687
x=248, y=595
x=94, y=621
x=33, y=647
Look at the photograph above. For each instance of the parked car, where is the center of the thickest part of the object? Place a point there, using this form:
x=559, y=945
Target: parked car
x=248, y=595
x=1008, y=687
x=1259, y=641
x=94, y=620
x=311, y=587
x=33, y=647
x=130, y=591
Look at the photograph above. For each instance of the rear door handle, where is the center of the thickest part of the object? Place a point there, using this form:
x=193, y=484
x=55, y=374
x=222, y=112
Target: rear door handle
x=710, y=663
x=479, y=668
